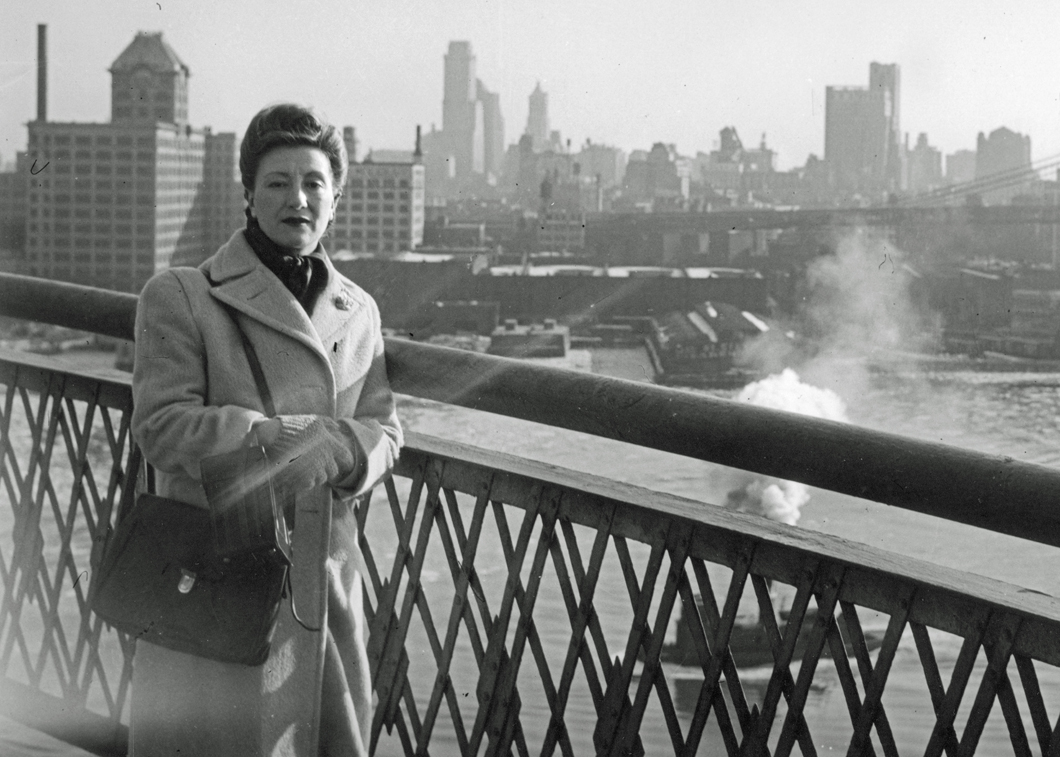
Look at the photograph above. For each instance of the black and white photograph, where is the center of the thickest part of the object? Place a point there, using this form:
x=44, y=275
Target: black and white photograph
x=479, y=377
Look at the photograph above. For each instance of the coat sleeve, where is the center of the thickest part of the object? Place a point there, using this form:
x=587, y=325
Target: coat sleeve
x=374, y=424
x=172, y=422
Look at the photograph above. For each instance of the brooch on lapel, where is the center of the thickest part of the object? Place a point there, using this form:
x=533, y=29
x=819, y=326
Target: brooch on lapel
x=343, y=302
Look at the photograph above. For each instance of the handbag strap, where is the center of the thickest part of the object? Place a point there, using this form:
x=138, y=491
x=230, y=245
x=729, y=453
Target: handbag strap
x=270, y=410
x=255, y=367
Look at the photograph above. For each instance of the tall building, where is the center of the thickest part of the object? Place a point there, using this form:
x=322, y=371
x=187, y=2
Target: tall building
x=116, y=202
x=734, y=171
x=492, y=133
x=461, y=112
x=604, y=163
x=925, y=166
x=1003, y=165
x=537, y=119
x=382, y=207
x=960, y=167
x=862, y=146
x=659, y=181
x=14, y=188
x=222, y=184
x=468, y=151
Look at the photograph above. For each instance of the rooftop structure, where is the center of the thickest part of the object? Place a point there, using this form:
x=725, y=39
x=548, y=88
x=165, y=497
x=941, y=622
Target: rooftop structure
x=862, y=134
x=112, y=203
x=381, y=209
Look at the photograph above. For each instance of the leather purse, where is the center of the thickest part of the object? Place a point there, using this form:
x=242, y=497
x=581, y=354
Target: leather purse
x=161, y=580
x=207, y=582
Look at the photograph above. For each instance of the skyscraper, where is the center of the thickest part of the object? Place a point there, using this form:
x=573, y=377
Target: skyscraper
x=537, y=119
x=1003, y=164
x=862, y=144
x=461, y=112
x=492, y=133
x=469, y=149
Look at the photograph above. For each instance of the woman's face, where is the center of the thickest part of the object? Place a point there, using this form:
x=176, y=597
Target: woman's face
x=293, y=197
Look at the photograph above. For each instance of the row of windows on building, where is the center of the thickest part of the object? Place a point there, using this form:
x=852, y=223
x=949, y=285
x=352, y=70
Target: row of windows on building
x=121, y=140
x=357, y=195
x=83, y=226
x=121, y=260
x=356, y=182
x=108, y=169
x=357, y=207
x=53, y=246
x=402, y=234
x=121, y=229
x=45, y=190
x=160, y=95
x=121, y=213
x=371, y=221
x=98, y=198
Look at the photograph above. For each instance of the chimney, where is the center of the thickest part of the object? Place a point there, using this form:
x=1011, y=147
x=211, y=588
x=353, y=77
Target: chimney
x=42, y=72
x=417, y=155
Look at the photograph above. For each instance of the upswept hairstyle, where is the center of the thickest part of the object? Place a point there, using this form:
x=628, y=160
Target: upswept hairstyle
x=291, y=125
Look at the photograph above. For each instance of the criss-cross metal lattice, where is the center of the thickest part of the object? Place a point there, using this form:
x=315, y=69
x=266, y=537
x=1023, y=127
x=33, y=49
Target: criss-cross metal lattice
x=519, y=608
x=561, y=532
x=64, y=448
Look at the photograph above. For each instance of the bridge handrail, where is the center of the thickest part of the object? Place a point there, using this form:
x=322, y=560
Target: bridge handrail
x=462, y=541
x=988, y=491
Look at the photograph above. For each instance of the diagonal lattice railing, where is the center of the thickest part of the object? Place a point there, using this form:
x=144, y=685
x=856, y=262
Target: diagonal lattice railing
x=458, y=658
x=64, y=450
x=520, y=608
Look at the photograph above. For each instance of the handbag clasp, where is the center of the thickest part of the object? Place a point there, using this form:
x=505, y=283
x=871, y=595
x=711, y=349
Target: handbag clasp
x=187, y=580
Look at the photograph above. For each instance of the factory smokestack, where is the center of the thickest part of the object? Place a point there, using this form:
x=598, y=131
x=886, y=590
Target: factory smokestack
x=42, y=72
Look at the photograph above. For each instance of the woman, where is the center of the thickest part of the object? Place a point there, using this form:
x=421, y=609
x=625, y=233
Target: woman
x=317, y=336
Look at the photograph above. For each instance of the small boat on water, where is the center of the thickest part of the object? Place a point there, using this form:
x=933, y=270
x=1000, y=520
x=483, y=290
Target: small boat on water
x=749, y=641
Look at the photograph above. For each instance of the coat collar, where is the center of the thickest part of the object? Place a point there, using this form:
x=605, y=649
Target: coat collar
x=242, y=280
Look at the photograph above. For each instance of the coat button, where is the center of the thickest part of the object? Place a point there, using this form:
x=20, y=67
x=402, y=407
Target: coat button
x=342, y=303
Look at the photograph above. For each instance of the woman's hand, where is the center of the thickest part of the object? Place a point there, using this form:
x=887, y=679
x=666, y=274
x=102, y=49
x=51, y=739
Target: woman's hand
x=307, y=450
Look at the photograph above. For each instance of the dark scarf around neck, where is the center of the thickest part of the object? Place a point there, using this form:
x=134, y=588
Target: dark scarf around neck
x=305, y=276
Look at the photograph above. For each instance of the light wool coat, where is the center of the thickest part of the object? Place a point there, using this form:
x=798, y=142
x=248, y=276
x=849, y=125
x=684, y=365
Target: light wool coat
x=194, y=396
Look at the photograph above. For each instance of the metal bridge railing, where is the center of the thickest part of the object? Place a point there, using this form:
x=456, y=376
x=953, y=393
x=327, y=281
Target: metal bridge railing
x=517, y=607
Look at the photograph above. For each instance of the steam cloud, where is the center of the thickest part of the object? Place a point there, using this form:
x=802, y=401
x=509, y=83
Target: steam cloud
x=777, y=499
x=856, y=304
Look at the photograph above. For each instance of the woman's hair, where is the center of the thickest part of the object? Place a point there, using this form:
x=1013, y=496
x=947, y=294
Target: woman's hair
x=290, y=125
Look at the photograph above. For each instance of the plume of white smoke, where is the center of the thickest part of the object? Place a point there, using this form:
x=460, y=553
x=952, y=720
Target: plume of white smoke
x=856, y=303
x=777, y=499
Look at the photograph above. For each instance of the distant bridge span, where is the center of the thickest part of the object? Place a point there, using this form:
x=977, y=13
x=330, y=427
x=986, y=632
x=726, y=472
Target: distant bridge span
x=753, y=219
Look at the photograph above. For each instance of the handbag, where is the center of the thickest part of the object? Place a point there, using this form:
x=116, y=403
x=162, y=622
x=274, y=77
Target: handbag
x=204, y=582
x=160, y=580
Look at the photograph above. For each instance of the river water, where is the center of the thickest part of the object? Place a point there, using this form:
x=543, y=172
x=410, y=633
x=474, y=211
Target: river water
x=1014, y=412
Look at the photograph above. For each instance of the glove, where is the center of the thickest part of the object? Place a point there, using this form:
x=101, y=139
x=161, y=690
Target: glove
x=308, y=451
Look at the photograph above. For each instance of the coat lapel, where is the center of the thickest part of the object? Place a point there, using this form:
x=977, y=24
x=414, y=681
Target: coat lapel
x=242, y=281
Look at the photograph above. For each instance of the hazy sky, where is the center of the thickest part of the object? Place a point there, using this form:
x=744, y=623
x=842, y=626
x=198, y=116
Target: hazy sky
x=622, y=73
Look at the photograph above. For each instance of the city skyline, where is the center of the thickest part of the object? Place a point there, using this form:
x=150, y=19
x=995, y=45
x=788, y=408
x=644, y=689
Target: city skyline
x=691, y=71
